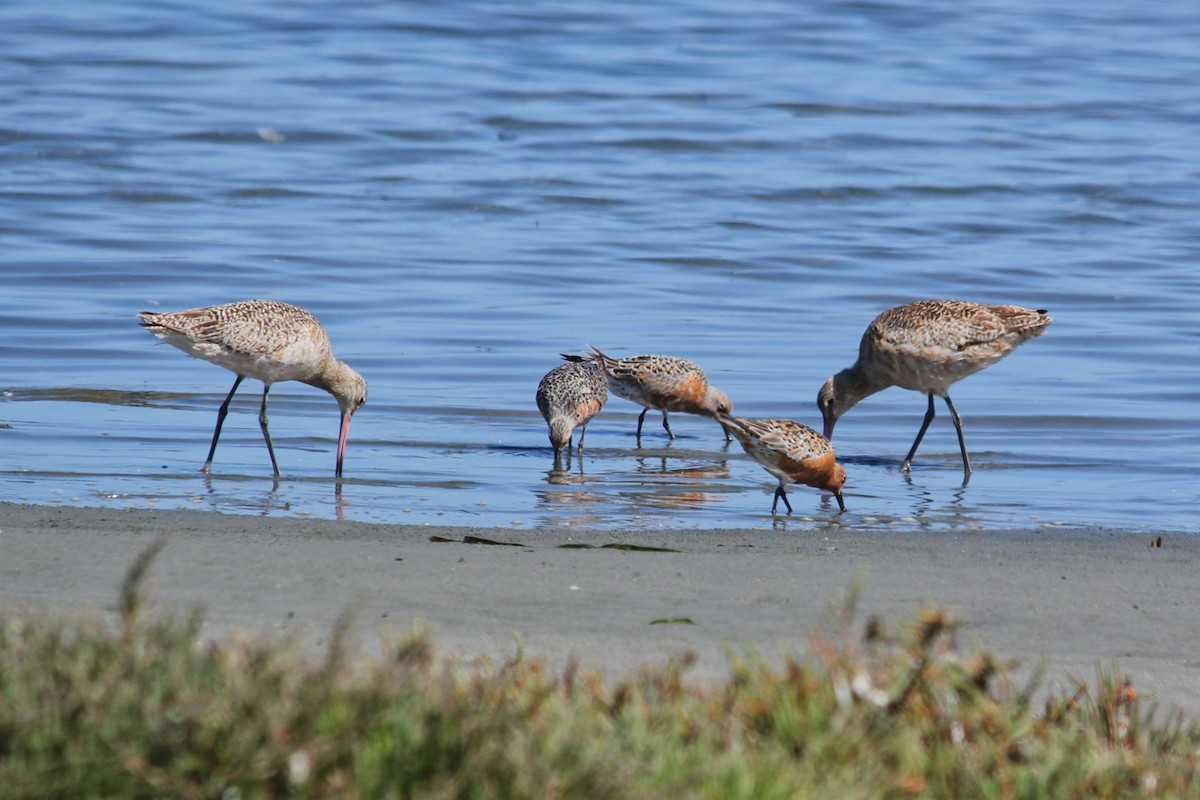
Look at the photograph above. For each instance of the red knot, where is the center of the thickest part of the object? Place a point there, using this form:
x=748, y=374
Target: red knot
x=792, y=452
x=568, y=397
x=663, y=382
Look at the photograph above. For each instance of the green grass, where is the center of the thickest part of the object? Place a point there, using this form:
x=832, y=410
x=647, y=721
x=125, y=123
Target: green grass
x=147, y=709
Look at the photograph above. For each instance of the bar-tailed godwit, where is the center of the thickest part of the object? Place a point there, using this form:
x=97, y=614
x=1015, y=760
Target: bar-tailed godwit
x=792, y=452
x=926, y=346
x=568, y=397
x=268, y=341
x=663, y=382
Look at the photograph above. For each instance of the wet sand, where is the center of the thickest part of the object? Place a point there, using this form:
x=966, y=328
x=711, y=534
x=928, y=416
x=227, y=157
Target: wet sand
x=1065, y=600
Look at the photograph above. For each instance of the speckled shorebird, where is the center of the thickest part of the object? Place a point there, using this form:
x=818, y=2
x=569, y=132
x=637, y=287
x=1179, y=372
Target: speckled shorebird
x=663, y=382
x=926, y=346
x=792, y=452
x=271, y=342
x=568, y=397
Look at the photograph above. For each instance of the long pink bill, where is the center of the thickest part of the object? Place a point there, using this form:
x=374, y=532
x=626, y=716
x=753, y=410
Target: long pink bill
x=829, y=429
x=343, y=435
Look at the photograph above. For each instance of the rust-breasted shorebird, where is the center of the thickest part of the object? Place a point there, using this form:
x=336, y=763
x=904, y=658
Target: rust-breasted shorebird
x=663, y=382
x=792, y=452
x=568, y=397
x=927, y=346
x=268, y=341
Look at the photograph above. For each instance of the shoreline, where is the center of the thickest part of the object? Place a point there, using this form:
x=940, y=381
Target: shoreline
x=1066, y=600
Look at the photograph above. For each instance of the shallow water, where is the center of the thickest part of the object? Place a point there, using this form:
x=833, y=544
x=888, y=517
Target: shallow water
x=463, y=191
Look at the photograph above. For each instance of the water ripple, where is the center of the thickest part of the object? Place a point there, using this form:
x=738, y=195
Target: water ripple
x=463, y=191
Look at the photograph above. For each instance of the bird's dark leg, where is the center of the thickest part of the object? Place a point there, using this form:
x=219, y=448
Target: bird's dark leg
x=666, y=426
x=262, y=421
x=220, y=421
x=920, y=435
x=582, y=433
x=780, y=493
x=641, y=419
x=962, y=443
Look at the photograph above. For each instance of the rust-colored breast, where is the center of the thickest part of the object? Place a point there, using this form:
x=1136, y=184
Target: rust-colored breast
x=687, y=395
x=588, y=408
x=818, y=471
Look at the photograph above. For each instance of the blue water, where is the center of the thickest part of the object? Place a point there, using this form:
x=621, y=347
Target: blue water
x=461, y=191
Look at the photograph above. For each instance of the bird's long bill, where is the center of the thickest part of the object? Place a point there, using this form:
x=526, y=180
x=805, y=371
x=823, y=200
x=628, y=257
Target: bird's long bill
x=828, y=433
x=841, y=502
x=343, y=435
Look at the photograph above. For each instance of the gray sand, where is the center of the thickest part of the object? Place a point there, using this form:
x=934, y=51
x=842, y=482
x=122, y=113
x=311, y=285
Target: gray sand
x=1068, y=600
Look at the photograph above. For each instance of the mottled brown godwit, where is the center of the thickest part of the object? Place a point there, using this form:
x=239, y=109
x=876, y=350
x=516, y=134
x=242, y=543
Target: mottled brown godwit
x=271, y=342
x=927, y=346
x=568, y=397
x=663, y=382
x=792, y=452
